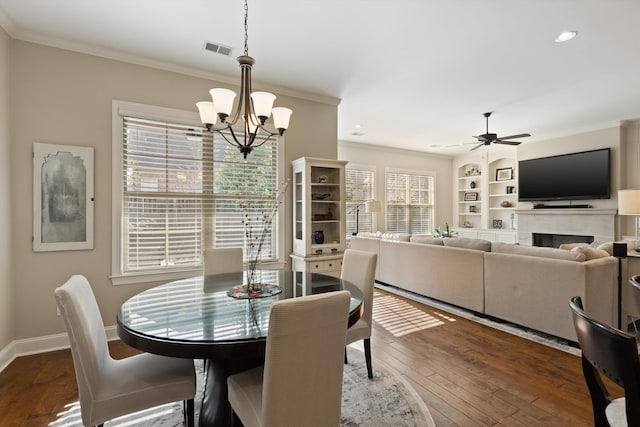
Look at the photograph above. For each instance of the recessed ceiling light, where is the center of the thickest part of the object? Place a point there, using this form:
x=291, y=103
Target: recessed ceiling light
x=565, y=36
x=358, y=134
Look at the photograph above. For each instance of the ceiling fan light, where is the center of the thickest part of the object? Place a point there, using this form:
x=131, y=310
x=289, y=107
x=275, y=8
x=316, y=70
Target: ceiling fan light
x=565, y=36
x=262, y=104
x=208, y=113
x=281, y=118
x=223, y=100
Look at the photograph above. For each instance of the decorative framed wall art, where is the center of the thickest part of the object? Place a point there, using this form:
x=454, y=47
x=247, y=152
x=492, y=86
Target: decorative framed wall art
x=62, y=197
x=504, y=174
x=471, y=196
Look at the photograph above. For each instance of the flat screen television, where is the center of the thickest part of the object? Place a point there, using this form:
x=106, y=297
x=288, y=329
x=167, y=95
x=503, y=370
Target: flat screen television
x=577, y=176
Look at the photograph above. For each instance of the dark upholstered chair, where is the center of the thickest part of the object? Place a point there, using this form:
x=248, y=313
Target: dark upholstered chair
x=613, y=353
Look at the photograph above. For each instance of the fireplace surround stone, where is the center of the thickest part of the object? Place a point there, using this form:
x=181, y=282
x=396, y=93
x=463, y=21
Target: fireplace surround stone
x=599, y=223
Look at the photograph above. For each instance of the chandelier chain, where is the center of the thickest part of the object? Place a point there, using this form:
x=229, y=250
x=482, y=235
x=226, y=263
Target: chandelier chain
x=246, y=28
x=255, y=133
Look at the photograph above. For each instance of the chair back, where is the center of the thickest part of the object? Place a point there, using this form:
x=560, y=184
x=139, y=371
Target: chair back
x=303, y=365
x=87, y=337
x=630, y=300
x=613, y=353
x=359, y=268
x=222, y=260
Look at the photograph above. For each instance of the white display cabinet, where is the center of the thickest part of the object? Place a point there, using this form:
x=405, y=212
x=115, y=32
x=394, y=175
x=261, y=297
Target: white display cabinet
x=319, y=217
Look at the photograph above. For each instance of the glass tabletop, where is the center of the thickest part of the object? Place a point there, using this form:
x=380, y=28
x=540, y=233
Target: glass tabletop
x=198, y=310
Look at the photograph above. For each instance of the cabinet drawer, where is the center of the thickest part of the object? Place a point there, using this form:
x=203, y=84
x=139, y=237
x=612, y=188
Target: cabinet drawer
x=322, y=266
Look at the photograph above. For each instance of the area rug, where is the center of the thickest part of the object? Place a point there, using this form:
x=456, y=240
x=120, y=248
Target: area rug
x=386, y=400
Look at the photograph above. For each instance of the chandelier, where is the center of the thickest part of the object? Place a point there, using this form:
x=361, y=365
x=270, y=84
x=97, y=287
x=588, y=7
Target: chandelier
x=254, y=108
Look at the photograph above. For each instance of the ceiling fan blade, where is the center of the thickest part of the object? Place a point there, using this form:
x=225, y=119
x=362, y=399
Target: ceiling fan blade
x=522, y=135
x=508, y=142
x=477, y=146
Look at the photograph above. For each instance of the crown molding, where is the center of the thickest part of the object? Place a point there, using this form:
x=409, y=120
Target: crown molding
x=116, y=55
x=7, y=24
x=389, y=149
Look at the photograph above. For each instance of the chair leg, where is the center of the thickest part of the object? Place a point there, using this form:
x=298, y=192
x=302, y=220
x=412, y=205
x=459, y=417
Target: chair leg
x=345, y=356
x=367, y=355
x=189, y=409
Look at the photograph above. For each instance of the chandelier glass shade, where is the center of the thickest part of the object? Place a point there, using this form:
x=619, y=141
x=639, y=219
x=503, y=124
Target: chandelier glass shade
x=253, y=109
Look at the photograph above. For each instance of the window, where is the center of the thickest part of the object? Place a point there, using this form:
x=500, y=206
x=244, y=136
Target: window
x=360, y=189
x=180, y=189
x=409, y=202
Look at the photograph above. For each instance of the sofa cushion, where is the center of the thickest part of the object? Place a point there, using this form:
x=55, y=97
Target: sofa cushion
x=543, y=252
x=589, y=252
x=466, y=243
x=427, y=240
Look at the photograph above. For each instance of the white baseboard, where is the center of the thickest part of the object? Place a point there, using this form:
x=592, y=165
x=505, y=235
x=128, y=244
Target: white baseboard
x=43, y=344
x=7, y=354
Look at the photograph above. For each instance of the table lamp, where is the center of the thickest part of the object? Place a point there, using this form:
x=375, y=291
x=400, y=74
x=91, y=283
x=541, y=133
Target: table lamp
x=629, y=204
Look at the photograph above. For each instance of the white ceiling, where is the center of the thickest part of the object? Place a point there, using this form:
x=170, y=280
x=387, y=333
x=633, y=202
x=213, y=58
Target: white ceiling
x=413, y=73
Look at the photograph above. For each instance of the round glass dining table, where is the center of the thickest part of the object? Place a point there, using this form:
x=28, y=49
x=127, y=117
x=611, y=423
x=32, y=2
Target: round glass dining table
x=195, y=318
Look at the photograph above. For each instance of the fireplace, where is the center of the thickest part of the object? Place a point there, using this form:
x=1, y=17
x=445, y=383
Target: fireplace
x=555, y=240
x=596, y=222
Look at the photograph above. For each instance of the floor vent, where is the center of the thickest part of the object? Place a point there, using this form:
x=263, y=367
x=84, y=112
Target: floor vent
x=217, y=48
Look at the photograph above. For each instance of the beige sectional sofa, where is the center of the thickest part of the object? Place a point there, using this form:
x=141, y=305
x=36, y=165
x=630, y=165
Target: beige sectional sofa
x=528, y=286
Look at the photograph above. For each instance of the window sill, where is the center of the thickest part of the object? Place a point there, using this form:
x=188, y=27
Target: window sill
x=167, y=276
x=153, y=276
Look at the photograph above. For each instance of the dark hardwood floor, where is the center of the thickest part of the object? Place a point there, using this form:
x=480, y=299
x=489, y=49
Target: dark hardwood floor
x=467, y=373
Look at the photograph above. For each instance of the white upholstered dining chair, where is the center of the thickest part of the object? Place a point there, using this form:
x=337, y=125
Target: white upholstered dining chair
x=301, y=381
x=110, y=388
x=359, y=268
x=222, y=260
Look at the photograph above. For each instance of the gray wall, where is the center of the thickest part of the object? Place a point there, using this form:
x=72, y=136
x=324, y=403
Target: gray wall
x=64, y=97
x=6, y=285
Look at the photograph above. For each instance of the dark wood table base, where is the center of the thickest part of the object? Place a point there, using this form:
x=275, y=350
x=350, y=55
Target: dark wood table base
x=216, y=410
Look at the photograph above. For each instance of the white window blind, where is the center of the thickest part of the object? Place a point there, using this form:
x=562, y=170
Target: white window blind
x=409, y=203
x=183, y=190
x=359, y=189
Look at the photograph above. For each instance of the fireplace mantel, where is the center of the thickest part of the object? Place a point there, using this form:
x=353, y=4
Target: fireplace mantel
x=599, y=223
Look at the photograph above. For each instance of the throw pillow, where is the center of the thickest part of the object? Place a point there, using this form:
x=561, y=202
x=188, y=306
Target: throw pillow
x=399, y=237
x=569, y=246
x=590, y=253
x=608, y=247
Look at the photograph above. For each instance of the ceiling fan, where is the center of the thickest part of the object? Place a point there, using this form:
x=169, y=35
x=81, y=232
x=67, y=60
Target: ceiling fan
x=489, y=138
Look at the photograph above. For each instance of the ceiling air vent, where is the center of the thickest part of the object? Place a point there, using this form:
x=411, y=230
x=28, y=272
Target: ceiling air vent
x=217, y=48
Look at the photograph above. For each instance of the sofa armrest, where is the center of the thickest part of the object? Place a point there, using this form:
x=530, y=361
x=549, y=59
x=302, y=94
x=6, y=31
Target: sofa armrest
x=535, y=292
